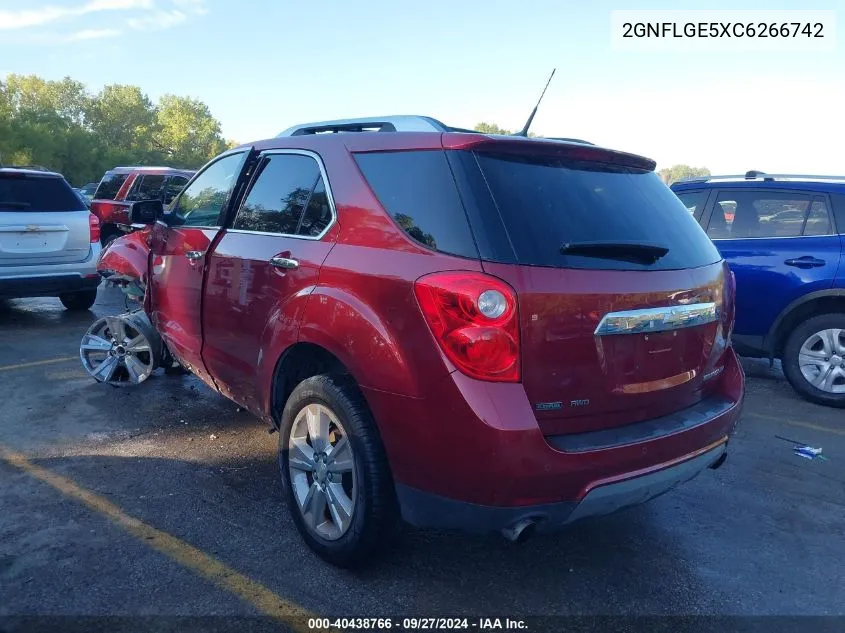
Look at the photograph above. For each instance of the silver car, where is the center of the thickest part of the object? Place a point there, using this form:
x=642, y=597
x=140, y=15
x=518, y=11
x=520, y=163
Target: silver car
x=49, y=240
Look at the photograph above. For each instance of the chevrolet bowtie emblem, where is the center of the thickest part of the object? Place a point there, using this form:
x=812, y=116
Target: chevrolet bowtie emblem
x=32, y=228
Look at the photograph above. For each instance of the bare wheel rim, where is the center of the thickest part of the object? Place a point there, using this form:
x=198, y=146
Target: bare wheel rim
x=116, y=351
x=322, y=471
x=821, y=360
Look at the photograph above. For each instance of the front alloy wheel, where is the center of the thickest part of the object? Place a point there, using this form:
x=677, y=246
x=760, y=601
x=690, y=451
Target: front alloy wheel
x=118, y=350
x=322, y=471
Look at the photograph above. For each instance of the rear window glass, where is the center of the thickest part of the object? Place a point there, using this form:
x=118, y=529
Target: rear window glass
x=546, y=203
x=109, y=186
x=418, y=190
x=37, y=193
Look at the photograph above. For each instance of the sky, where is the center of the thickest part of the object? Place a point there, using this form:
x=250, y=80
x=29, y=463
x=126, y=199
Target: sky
x=262, y=66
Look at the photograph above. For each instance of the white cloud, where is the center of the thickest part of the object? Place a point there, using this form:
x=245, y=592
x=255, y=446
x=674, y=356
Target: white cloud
x=92, y=34
x=24, y=18
x=157, y=21
x=195, y=6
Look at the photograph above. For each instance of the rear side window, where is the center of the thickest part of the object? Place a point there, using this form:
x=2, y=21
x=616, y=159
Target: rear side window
x=418, y=190
x=743, y=214
x=147, y=187
x=109, y=186
x=284, y=189
x=547, y=203
x=23, y=192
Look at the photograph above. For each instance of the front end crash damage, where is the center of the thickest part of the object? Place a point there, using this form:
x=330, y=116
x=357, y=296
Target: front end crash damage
x=125, y=263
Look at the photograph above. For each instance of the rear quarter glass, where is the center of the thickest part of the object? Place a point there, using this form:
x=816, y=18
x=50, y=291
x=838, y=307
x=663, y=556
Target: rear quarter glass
x=417, y=189
x=31, y=193
x=545, y=203
x=838, y=201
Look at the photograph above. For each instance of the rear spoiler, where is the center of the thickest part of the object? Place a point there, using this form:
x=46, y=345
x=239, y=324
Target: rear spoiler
x=573, y=150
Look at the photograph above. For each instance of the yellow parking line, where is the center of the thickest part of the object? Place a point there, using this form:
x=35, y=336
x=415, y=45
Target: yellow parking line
x=197, y=561
x=806, y=425
x=38, y=363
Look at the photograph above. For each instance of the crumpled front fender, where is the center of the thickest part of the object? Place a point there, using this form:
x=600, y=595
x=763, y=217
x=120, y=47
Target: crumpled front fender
x=126, y=259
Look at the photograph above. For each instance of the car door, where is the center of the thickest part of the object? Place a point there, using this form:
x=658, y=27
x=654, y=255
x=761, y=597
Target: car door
x=179, y=246
x=780, y=245
x=269, y=258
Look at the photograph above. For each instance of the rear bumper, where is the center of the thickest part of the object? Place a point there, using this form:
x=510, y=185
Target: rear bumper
x=50, y=280
x=474, y=457
x=46, y=286
x=428, y=510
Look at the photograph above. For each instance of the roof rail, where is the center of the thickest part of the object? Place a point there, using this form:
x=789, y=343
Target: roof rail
x=759, y=175
x=401, y=123
x=29, y=167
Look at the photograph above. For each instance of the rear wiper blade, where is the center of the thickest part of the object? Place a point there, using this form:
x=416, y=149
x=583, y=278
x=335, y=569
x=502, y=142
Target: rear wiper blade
x=15, y=205
x=634, y=252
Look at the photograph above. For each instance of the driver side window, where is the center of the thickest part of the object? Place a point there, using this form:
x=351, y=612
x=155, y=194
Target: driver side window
x=201, y=203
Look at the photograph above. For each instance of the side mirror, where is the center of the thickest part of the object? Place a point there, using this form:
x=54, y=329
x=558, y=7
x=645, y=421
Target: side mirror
x=145, y=211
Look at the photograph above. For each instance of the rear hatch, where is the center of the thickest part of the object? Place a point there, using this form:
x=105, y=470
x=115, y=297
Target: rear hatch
x=42, y=220
x=620, y=292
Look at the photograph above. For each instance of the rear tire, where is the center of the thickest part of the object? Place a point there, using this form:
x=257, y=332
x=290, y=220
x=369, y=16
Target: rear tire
x=367, y=486
x=814, y=348
x=79, y=301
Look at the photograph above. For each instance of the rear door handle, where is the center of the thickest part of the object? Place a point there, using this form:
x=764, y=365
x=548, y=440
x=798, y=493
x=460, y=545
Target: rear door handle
x=805, y=262
x=194, y=255
x=284, y=262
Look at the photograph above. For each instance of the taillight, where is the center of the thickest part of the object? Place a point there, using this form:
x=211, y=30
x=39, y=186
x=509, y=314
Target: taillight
x=724, y=327
x=730, y=303
x=94, y=227
x=474, y=319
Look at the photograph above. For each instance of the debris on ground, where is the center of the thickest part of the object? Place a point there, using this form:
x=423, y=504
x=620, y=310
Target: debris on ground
x=212, y=437
x=803, y=450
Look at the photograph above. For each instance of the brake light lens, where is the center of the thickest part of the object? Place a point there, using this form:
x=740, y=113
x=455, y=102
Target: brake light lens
x=94, y=227
x=730, y=303
x=474, y=319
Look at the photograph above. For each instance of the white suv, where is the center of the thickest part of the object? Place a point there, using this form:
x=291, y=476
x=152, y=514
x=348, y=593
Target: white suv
x=49, y=240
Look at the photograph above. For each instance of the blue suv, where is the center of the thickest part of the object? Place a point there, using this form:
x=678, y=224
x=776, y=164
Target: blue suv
x=783, y=237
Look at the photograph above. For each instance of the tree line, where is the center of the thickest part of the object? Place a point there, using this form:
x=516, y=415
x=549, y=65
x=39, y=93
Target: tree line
x=60, y=125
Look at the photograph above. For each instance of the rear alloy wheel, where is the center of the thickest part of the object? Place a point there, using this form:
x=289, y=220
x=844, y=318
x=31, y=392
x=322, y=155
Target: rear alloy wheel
x=814, y=359
x=79, y=301
x=118, y=350
x=335, y=472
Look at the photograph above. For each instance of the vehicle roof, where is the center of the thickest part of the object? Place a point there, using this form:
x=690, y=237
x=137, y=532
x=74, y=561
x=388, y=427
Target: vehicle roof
x=827, y=186
x=394, y=141
x=30, y=172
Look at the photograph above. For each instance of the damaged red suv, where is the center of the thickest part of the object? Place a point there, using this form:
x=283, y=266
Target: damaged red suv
x=488, y=333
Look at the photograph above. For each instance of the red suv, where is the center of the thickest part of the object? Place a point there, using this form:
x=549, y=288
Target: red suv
x=122, y=186
x=489, y=333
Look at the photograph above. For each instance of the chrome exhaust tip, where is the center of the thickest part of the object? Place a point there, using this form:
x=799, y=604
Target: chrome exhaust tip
x=521, y=531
